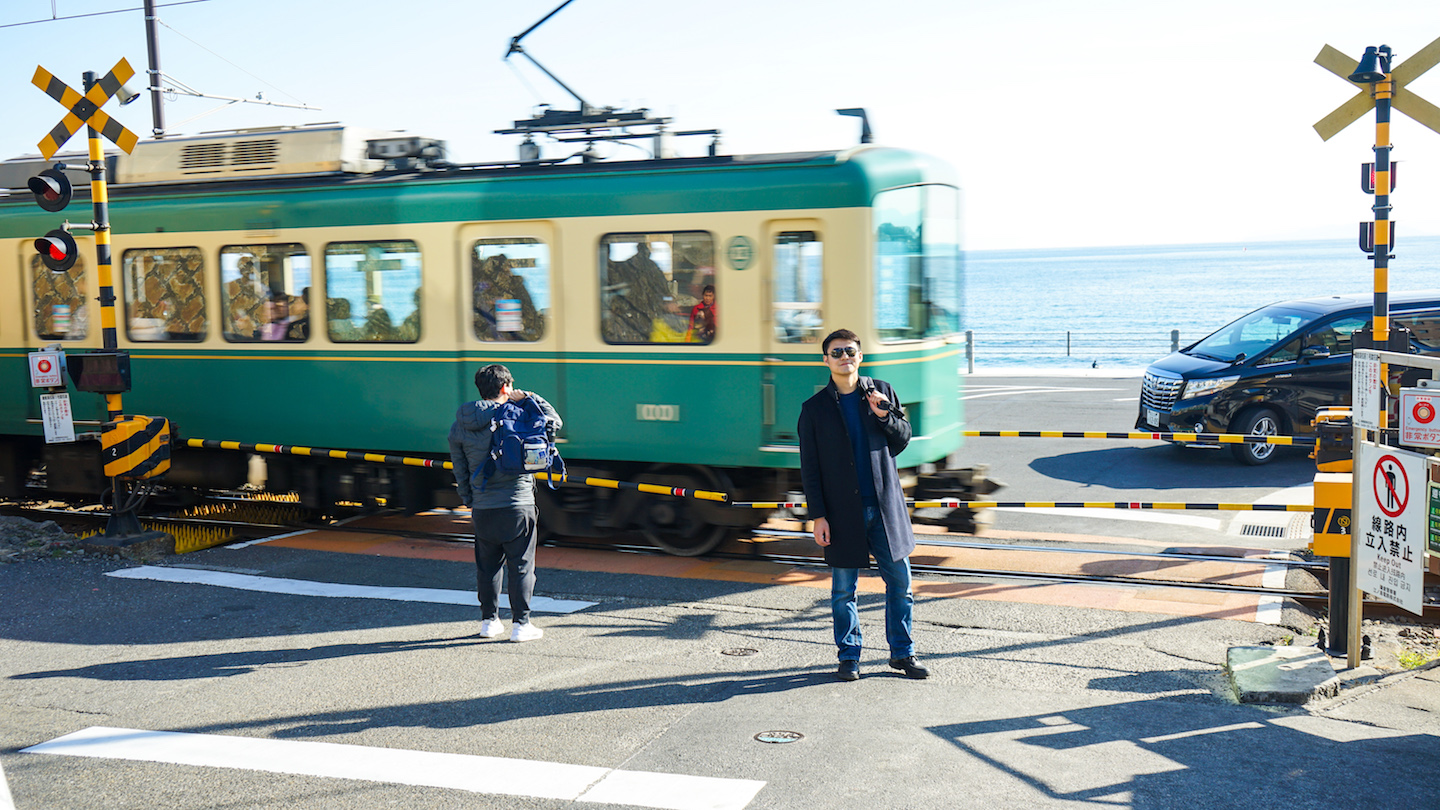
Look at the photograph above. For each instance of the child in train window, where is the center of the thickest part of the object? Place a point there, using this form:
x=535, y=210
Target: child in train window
x=703, y=318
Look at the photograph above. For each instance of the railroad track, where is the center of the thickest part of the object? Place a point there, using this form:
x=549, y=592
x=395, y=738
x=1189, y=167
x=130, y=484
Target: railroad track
x=1313, y=599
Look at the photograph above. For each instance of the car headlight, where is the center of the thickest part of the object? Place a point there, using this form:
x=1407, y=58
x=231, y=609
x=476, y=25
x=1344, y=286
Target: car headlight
x=1200, y=388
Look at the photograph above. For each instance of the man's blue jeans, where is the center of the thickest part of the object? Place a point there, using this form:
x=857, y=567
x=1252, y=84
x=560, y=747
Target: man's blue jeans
x=899, y=602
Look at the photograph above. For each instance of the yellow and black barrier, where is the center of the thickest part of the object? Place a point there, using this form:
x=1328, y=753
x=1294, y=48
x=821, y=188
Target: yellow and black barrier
x=1133, y=435
x=135, y=447
x=721, y=497
x=409, y=461
x=1167, y=505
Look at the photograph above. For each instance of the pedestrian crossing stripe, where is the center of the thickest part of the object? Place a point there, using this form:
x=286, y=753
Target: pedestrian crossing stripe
x=83, y=110
x=469, y=772
x=302, y=587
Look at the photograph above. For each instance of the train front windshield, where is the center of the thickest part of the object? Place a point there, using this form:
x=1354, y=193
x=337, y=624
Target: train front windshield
x=917, y=262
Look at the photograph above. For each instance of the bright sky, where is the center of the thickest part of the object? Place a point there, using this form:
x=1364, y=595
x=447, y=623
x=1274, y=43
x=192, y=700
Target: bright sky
x=1106, y=122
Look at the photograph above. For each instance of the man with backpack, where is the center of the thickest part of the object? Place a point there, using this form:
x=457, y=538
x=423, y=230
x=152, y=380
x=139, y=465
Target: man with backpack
x=491, y=476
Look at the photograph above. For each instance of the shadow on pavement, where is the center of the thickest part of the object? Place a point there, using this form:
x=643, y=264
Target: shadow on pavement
x=1170, y=467
x=1161, y=754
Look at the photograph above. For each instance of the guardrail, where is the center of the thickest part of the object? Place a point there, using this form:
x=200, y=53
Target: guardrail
x=1048, y=345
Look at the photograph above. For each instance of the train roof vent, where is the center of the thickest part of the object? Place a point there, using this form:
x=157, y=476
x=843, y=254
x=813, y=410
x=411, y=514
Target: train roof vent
x=245, y=153
x=202, y=156
x=238, y=154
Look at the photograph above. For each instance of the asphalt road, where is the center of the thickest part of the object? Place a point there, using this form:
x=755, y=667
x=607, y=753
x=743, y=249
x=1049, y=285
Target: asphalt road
x=131, y=692
x=1118, y=470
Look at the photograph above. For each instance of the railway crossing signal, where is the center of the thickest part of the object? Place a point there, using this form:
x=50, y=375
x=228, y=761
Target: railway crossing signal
x=85, y=110
x=52, y=189
x=57, y=250
x=1382, y=87
x=1364, y=101
x=133, y=446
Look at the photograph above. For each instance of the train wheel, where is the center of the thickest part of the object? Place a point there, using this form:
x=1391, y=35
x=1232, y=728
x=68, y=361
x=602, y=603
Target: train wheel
x=675, y=525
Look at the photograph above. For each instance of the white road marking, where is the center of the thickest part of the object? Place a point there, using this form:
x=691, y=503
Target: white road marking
x=6, y=801
x=1267, y=611
x=476, y=774
x=301, y=587
x=1101, y=513
x=1126, y=399
x=259, y=540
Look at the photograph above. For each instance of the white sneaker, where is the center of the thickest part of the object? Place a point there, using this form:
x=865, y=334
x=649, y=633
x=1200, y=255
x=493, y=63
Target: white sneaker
x=492, y=628
x=525, y=632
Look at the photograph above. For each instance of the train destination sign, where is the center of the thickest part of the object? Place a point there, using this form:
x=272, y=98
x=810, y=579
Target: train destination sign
x=1390, y=535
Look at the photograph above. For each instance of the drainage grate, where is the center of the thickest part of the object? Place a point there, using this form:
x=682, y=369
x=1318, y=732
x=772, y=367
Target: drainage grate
x=779, y=736
x=740, y=651
x=1251, y=530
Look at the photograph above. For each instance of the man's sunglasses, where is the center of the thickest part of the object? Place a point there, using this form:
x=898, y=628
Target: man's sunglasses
x=848, y=351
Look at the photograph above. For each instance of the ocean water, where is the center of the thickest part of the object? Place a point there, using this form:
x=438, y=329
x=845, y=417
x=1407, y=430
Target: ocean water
x=1117, y=306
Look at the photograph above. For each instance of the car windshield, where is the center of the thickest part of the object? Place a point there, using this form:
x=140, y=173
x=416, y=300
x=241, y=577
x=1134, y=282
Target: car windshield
x=1251, y=334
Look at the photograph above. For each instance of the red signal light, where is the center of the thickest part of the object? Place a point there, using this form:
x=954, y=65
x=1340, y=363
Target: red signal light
x=57, y=250
x=52, y=189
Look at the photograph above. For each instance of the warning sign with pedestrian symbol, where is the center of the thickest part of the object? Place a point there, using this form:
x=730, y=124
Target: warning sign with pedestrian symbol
x=1420, y=417
x=1392, y=486
x=1390, y=533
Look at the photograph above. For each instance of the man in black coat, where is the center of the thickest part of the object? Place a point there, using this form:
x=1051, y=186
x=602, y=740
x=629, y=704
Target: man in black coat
x=850, y=433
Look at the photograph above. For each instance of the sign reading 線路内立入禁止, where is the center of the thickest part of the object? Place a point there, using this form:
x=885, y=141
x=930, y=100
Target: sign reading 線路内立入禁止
x=1392, y=523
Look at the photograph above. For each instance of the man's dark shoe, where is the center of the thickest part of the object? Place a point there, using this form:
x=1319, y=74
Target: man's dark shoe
x=910, y=667
x=848, y=671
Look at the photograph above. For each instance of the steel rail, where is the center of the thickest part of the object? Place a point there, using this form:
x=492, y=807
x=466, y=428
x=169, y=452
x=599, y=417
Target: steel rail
x=926, y=540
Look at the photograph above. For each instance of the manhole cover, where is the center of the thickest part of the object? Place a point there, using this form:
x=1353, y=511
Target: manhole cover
x=740, y=651
x=779, y=736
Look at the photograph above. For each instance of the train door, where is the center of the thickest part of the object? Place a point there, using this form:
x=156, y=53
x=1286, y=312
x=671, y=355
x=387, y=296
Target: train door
x=508, y=299
x=792, y=370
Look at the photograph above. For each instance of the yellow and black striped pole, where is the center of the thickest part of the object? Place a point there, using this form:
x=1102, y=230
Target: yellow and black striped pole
x=1384, y=91
x=122, y=520
x=1374, y=69
x=100, y=199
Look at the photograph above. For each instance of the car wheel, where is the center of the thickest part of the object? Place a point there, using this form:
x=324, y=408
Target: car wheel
x=1257, y=422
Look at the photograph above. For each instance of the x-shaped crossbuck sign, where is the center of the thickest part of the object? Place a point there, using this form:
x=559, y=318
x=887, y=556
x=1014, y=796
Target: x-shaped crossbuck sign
x=85, y=109
x=1404, y=100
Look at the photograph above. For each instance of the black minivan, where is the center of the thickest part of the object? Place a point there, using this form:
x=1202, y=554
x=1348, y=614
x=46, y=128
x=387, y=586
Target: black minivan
x=1268, y=372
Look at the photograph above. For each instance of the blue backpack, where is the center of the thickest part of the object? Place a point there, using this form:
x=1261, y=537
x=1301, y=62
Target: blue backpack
x=521, y=443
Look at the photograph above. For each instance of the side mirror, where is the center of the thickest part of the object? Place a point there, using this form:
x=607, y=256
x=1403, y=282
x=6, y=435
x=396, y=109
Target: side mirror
x=1314, y=353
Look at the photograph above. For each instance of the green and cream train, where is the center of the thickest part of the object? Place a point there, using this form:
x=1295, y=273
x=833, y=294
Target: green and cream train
x=299, y=287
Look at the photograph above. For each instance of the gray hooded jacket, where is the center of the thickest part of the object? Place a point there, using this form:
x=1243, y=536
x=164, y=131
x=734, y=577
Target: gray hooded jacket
x=470, y=449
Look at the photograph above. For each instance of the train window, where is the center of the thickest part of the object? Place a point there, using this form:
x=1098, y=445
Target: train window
x=61, y=309
x=372, y=291
x=917, y=262
x=266, y=292
x=653, y=287
x=164, y=294
x=799, y=264
x=511, y=282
